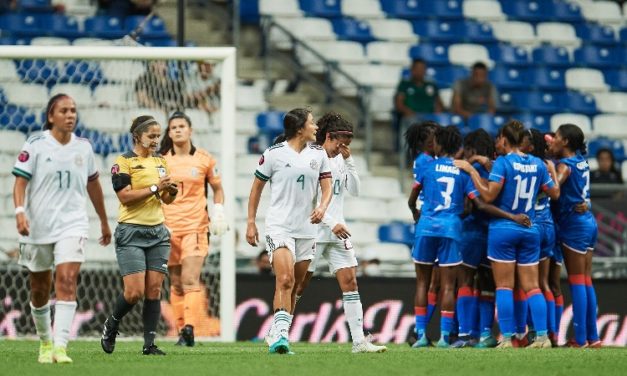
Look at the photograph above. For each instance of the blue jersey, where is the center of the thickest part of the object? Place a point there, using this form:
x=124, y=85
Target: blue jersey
x=521, y=177
x=419, y=163
x=543, y=209
x=445, y=187
x=576, y=188
x=478, y=220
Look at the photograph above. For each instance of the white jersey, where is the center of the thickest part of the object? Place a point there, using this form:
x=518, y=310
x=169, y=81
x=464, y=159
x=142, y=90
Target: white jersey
x=294, y=179
x=345, y=178
x=56, y=193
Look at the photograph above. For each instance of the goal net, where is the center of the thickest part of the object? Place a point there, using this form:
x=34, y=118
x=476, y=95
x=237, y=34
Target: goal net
x=111, y=86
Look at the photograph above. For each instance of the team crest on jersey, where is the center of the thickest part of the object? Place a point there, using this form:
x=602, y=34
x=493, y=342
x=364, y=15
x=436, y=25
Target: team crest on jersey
x=313, y=164
x=23, y=156
x=194, y=172
x=78, y=160
x=115, y=169
x=261, y=160
x=161, y=171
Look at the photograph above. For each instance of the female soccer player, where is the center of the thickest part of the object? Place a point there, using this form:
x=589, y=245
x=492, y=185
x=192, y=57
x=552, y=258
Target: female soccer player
x=142, y=182
x=577, y=231
x=295, y=168
x=191, y=168
x=439, y=228
x=54, y=174
x=514, y=250
x=335, y=135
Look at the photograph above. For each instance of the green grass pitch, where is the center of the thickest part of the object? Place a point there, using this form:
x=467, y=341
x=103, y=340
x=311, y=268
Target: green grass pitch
x=19, y=358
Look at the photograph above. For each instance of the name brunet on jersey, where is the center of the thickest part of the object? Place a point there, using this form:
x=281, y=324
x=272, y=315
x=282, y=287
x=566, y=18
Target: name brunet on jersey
x=525, y=167
x=448, y=169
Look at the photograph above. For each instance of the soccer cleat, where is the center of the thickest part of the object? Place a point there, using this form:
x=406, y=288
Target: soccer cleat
x=152, y=350
x=520, y=342
x=423, y=341
x=280, y=346
x=572, y=343
x=505, y=344
x=186, y=336
x=443, y=343
x=109, y=332
x=595, y=344
x=59, y=355
x=553, y=339
x=45, y=352
x=487, y=343
x=541, y=342
x=464, y=341
x=269, y=337
x=366, y=346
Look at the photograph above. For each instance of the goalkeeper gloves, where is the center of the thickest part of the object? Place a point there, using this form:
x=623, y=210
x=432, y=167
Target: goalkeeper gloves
x=218, y=225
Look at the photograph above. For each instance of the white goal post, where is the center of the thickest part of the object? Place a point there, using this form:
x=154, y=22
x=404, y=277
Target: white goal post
x=226, y=157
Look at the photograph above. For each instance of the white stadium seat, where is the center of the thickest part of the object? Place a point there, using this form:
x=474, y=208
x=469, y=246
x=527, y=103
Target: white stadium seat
x=557, y=33
x=399, y=211
x=250, y=98
x=446, y=96
x=92, y=42
x=615, y=103
x=374, y=75
x=49, y=41
x=8, y=71
x=347, y=52
x=515, y=32
x=362, y=9
x=104, y=120
x=80, y=93
x=113, y=95
x=582, y=121
x=306, y=28
x=28, y=95
x=610, y=125
x=246, y=122
x=132, y=113
x=394, y=53
x=467, y=54
x=122, y=70
x=393, y=30
x=382, y=104
x=392, y=253
x=365, y=209
x=483, y=10
x=246, y=164
x=380, y=187
x=605, y=12
x=283, y=8
x=586, y=80
x=362, y=233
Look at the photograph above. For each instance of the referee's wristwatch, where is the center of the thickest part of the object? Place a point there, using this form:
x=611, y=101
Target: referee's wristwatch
x=155, y=190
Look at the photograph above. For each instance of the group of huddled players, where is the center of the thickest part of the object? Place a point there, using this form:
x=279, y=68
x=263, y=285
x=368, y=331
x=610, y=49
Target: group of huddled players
x=498, y=219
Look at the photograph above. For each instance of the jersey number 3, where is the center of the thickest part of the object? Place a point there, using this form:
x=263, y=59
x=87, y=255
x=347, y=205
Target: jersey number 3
x=448, y=191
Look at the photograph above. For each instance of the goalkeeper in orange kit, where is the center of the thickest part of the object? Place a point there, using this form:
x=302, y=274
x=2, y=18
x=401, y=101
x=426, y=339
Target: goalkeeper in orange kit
x=188, y=220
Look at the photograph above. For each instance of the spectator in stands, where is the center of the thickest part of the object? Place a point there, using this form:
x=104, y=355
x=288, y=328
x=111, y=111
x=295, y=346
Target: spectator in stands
x=203, y=87
x=417, y=95
x=7, y=5
x=156, y=88
x=607, y=173
x=263, y=263
x=125, y=8
x=474, y=94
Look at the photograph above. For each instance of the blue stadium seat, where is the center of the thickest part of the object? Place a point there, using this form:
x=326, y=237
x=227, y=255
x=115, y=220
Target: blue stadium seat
x=270, y=123
x=249, y=11
x=104, y=27
x=551, y=55
x=153, y=29
x=406, y=9
x=598, y=57
x=623, y=34
x=509, y=54
x=59, y=25
x=616, y=146
x=445, y=118
x=43, y=6
x=446, y=76
x=616, y=78
x=352, y=29
x=478, y=32
x=566, y=11
x=14, y=117
x=38, y=71
x=546, y=103
x=487, y=122
x=439, y=30
x=536, y=121
x=433, y=54
x=321, y=8
x=528, y=11
x=22, y=24
x=442, y=10
x=505, y=77
x=85, y=72
x=596, y=33
x=397, y=232
x=547, y=78
x=581, y=103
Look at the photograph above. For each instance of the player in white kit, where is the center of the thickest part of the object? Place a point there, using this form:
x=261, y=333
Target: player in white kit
x=333, y=243
x=54, y=174
x=295, y=169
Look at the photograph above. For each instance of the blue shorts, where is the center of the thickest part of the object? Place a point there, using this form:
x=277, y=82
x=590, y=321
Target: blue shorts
x=557, y=255
x=547, y=239
x=474, y=249
x=514, y=244
x=428, y=249
x=578, y=233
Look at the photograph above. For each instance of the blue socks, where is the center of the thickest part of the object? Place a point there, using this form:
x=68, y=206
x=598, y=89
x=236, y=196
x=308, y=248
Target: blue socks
x=505, y=306
x=580, y=306
x=537, y=306
x=591, y=314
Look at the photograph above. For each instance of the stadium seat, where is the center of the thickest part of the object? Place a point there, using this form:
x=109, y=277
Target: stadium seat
x=373, y=75
x=398, y=211
x=27, y=95
x=598, y=57
x=395, y=53
x=246, y=122
x=615, y=103
x=610, y=125
x=352, y=29
x=580, y=103
x=364, y=234
x=43, y=6
x=347, y=52
x=446, y=96
x=250, y=98
x=18, y=118
x=49, y=41
x=85, y=72
x=617, y=78
x=433, y=54
x=397, y=232
x=104, y=27
x=443, y=10
x=596, y=34
x=246, y=164
x=548, y=78
x=404, y=9
x=8, y=71
x=39, y=71
x=586, y=80
x=92, y=42
x=285, y=8
x=270, y=123
x=365, y=209
x=536, y=121
x=567, y=12
x=104, y=120
x=132, y=113
x=483, y=10
x=447, y=76
x=445, y=119
x=62, y=26
x=113, y=95
x=80, y=93
x=380, y=187
x=11, y=141
x=604, y=12
x=558, y=34
x=362, y=9
x=528, y=11
x=321, y=8
x=249, y=12
x=616, y=146
x=538, y=102
x=22, y=24
x=395, y=254
x=582, y=121
x=505, y=77
x=153, y=29
x=308, y=28
x=393, y=30
x=478, y=32
x=439, y=31
x=467, y=54
x=515, y=32
x=509, y=54
x=487, y=122
x=551, y=56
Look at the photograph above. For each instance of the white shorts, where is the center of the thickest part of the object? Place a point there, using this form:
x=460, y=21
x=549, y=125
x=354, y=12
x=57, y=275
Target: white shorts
x=42, y=257
x=301, y=249
x=339, y=255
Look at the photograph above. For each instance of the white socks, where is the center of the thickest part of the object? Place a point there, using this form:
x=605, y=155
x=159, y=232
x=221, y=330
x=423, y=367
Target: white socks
x=41, y=318
x=354, y=313
x=281, y=324
x=63, y=317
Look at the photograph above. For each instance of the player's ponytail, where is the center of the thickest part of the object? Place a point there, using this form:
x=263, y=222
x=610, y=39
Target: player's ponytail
x=574, y=135
x=166, y=142
x=450, y=140
x=513, y=132
x=294, y=121
x=50, y=107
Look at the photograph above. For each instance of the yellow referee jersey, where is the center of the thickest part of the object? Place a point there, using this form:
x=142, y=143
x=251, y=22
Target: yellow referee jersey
x=139, y=172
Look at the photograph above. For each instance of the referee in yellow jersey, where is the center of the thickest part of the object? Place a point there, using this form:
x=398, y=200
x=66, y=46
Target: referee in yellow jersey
x=142, y=242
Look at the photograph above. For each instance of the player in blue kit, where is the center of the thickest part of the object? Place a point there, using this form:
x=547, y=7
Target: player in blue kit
x=577, y=231
x=439, y=227
x=514, y=182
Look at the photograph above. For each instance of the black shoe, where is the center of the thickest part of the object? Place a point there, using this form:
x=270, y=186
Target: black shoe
x=152, y=350
x=181, y=341
x=109, y=332
x=187, y=334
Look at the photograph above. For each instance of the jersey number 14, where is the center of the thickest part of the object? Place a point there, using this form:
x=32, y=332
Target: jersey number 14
x=524, y=191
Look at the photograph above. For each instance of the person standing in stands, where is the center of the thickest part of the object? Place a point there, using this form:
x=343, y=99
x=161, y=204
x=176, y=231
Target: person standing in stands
x=475, y=94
